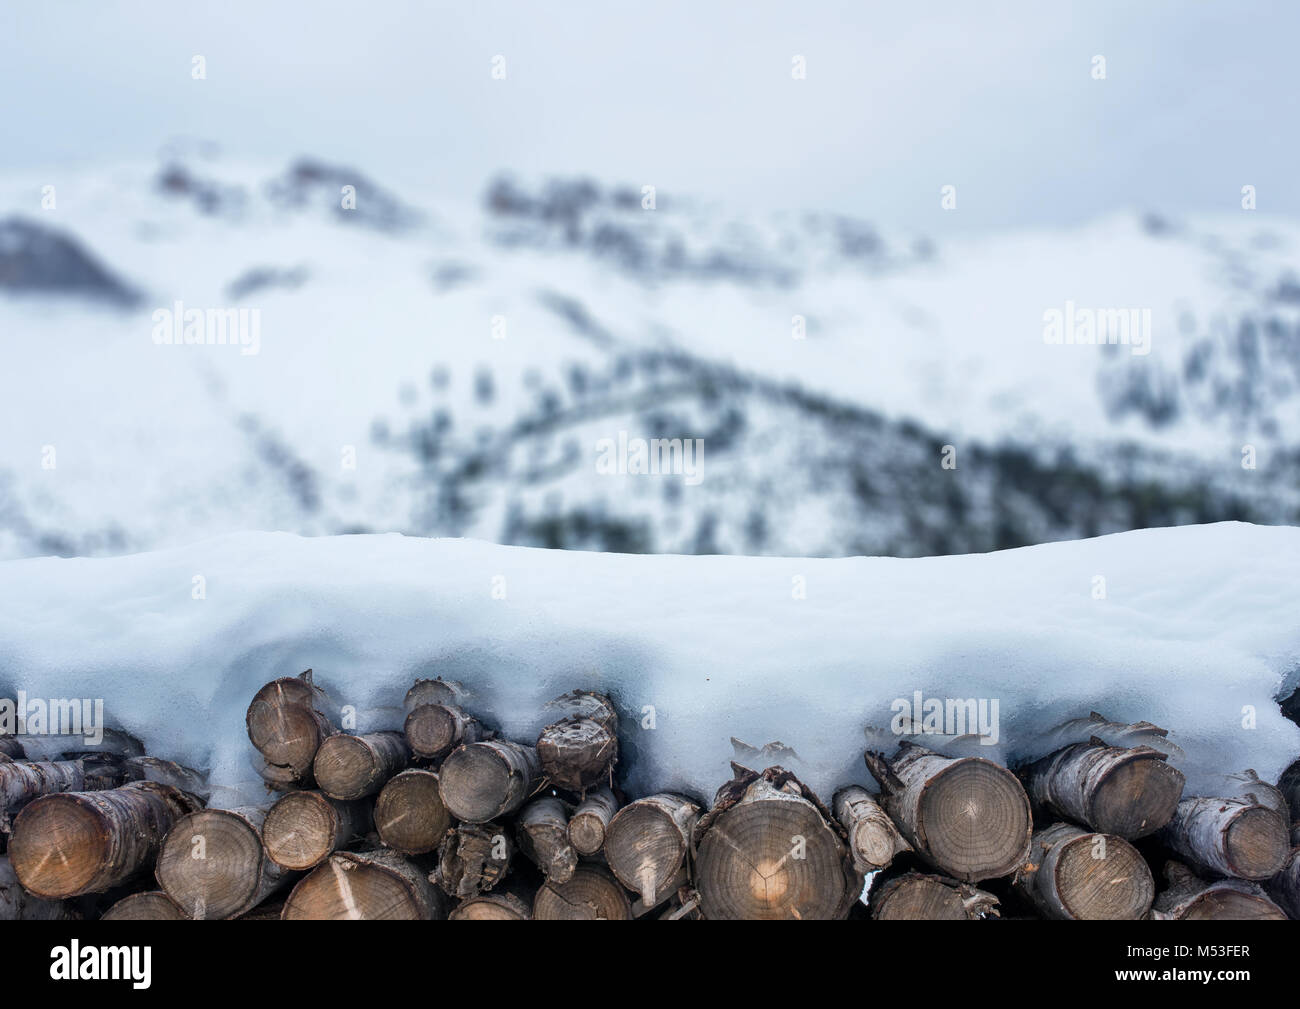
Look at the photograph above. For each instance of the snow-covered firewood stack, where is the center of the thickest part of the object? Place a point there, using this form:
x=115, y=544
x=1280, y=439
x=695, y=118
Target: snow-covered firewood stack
x=445, y=817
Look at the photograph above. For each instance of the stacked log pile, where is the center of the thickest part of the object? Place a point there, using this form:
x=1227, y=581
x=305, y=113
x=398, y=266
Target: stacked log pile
x=445, y=818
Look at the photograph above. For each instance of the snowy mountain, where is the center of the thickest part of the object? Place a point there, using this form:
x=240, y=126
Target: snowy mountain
x=389, y=362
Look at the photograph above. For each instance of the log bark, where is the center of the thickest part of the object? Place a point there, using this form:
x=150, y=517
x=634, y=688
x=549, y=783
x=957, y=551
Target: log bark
x=282, y=779
x=11, y=747
x=114, y=744
x=473, y=859
x=592, y=894
x=1284, y=888
x=873, y=838
x=23, y=781
x=1248, y=785
x=591, y=819
x=303, y=828
x=482, y=781
x=1072, y=874
x=579, y=751
x=435, y=691
x=409, y=814
x=649, y=841
x=287, y=721
x=365, y=886
x=1111, y=733
x=84, y=842
x=1188, y=898
x=1228, y=837
x=585, y=704
x=543, y=834
x=768, y=849
x=434, y=730
x=167, y=772
x=16, y=904
x=917, y=896
x=967, y=816
x=1126, y=791
x=214, y=866
x=352, y=767
x=151, y=905
x=1289, y=785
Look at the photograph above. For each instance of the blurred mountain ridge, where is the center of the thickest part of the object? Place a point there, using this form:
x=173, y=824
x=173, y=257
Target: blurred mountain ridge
x=438, y=369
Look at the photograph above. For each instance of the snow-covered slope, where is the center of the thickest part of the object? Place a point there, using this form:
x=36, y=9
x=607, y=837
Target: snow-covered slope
x=1199, y=631
x=469, y=359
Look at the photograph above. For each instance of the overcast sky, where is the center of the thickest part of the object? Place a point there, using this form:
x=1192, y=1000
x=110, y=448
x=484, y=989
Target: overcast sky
x=900, y=98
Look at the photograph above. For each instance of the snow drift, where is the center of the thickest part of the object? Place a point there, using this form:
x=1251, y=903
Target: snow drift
x=1198, y=631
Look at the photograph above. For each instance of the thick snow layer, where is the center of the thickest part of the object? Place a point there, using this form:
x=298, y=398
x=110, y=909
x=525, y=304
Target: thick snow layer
x=1198, y=626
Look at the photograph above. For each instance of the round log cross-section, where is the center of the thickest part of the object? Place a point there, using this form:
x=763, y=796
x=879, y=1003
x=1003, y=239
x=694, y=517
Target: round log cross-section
x=591, y=894
x=482, y=781
x=151, y=905
x=1126, y=791
x=213, y=864
x=772, y=856
x=72, y=843
x=302, y=828
x=1075, y=875
x=648, y=841
x=409, y=814
x=967, y=816
x=286, y=723
x=351, y=767
x=370, y=886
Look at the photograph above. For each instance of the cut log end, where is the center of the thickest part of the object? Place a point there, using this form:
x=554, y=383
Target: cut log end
x=59, y=846
x=1228, y=836
x=591, y=894
x=1229, y=905
x=363, y=887
x=1257, y=843
x=874, y=839
x=430, y=731
x=492, y=907
x=976, y=819
x=771, y=860
x=481, y=781
x=768, y=850
x=284, y=724
x=152, y=905
x=434, y=730
x=543, y=832
x=409, y=814
x=590, y=820
x=1115, y=886
x=578, y=753
x=586, y=833
x=72, y=843
x=1189, y=898
x=211, y=864
x=647, y=841
x=916, y=896
x=351, y=767
x=1137, y=798
x=300, y=830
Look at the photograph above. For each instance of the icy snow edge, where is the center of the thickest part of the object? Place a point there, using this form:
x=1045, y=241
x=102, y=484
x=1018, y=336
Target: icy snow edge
x=1199, y=627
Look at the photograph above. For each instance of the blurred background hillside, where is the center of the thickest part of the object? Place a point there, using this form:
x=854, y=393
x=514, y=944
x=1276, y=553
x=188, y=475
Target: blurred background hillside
x=670, y=237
